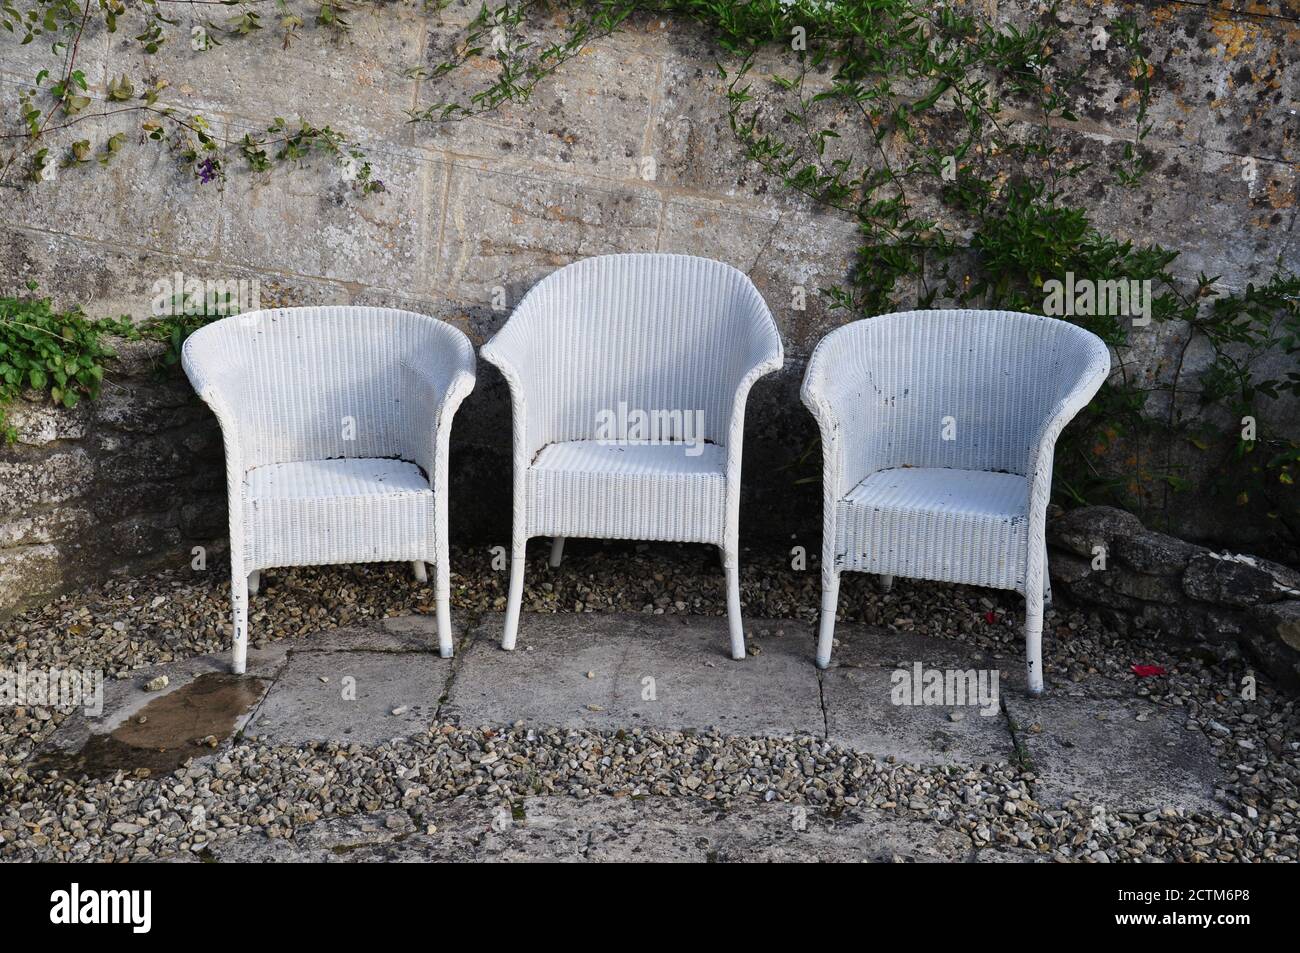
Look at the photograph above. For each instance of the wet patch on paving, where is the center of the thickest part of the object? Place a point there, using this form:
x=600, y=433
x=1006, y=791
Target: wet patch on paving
x=167, y=731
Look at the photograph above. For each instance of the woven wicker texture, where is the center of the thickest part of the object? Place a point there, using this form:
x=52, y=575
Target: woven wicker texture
x=336, y=423
x=680, y=339
x=938, y=429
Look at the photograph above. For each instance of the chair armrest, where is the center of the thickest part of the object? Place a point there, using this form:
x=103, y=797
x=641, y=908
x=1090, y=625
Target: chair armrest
x=507, y=351
x=762, y=355
x=220, y=389
x=222, y=394
x=1042, y=447
x=844, y=421
x=440, y=381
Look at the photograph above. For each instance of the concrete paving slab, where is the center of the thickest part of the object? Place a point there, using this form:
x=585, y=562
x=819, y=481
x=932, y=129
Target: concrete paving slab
x=403, y=633
x=608, y=829
x=1097, y=746
x=861, y=708
x=1095, y=742
x=626, y=670
x=366, y=696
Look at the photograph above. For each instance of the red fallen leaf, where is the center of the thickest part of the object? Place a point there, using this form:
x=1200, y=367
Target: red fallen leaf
x=990, y=617
x=1146, y=671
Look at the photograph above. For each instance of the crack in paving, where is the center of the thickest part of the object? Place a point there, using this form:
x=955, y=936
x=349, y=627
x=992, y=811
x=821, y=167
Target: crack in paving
x=468, y=637
x=1018, y=751
x=821, y=698
x=271, y=682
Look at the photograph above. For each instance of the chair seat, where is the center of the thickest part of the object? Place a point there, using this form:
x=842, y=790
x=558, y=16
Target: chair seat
x=642, y=459
x=333, y=479
x=317, y=512
x=966, y=526
x=661, y=491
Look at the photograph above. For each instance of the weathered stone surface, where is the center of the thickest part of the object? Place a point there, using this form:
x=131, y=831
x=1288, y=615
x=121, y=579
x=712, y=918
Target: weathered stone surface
x=791, y=258
x=507, y=230
x=1154, y=553
x=863, y=713
x=1151, y=760
x=1147, y=588
x=38, y=422
x=377, y=240
x=590, y=670
x=1066, y=568
x=46, y=527
x=356, y=77
x=142, y=199
x=28, y=571
x=1239, y=580
x=131, y=479
x=1274, y=639
x=1081, y=530
x=44, y=481
x=1227, y=604
x=1283, y=620
x=109, y=280
x=356, y=696
x=590, y=119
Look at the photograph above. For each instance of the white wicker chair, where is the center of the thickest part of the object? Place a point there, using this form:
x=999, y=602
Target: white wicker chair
x=616, y=335
x=336, y=422
x=938, y=429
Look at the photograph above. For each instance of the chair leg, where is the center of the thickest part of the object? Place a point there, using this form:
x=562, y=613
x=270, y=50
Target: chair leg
x=513, y=601
x=1047, y=578
x=442, y=599
x=734, y=621
x=1034, y=641
x=557, y=551
x=826, y=630
x=886, y=583
x=421, y=573
x=254, y=582
x=239, y=622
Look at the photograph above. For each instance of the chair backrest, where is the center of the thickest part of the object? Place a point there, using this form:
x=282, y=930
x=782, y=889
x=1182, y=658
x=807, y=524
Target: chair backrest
x=609, y=336
x=956, y=388
x=317, y=383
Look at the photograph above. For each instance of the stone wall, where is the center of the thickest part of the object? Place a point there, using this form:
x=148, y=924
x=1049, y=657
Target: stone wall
x=497, y=202
x=132, y=479
x=1226, y=603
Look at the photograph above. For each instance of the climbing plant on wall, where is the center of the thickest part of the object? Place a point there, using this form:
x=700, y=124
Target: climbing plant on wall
x=932, y=128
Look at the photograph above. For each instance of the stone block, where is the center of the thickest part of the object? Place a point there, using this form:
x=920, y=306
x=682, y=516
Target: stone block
x=141, y=199
x=50, y=526
x=1155, y=553
x=1079, y=530
x=309, y=221
x=44, y=481
x=29, y=572
x=588, y=118
x=357, y=77
x=508, y=231
x=791, y=259
x=1238, y=580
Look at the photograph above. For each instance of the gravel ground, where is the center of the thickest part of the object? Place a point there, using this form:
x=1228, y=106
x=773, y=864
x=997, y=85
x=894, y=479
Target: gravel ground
x=132, y=622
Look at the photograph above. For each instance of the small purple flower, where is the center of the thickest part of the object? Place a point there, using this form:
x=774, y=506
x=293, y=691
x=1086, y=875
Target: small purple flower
x=207, y=171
